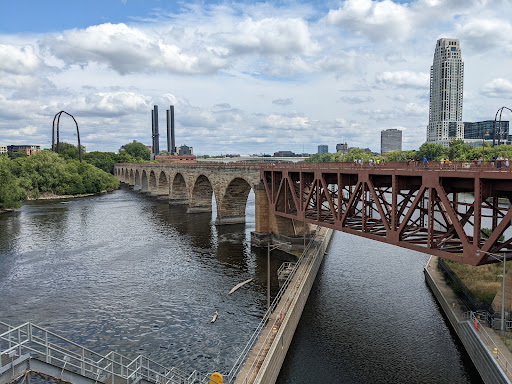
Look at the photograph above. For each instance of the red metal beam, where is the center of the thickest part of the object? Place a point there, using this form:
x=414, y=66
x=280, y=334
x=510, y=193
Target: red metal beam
x=424, y=209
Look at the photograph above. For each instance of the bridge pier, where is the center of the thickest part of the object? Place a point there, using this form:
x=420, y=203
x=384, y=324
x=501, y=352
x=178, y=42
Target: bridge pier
x=225, y=220
x=199, y=209
x=178, y=201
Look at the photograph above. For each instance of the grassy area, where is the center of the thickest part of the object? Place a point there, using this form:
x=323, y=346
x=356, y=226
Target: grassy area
x=484, y=281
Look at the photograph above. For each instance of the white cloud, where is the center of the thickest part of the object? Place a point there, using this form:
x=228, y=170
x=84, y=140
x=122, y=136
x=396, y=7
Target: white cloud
x=283, y=102
x=271, y=36
x=406, y=79
x=358, y=99
x=127, y=50
x=379, y=20
x=19, y=60
x=483, y=34
x=498, y=88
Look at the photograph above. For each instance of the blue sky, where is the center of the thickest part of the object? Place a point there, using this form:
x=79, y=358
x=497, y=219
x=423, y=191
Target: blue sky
x=245, y=77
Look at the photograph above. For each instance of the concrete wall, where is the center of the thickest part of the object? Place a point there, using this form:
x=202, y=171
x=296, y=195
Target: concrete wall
x=277, y=352
x=484, y=361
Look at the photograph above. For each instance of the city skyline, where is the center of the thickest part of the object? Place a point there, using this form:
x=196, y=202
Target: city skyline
x=244, y=77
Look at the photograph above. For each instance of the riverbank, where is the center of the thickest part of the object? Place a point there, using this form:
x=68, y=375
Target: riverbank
x=53, y=196
x=489, y=354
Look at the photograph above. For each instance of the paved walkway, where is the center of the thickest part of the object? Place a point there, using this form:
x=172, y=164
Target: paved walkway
x=489, y=337
x=255, y=360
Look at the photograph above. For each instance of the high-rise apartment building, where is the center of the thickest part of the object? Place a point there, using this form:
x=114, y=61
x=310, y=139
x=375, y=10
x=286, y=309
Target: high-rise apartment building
x=390, y=140
x=446, y=83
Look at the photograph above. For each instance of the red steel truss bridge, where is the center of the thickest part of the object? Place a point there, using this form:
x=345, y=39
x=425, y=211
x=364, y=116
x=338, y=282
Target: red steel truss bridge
x=460, y=212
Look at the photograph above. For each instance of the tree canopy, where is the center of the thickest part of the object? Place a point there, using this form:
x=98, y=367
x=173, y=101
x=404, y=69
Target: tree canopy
x=47, y=172
x=457, y=151
x=138, y=150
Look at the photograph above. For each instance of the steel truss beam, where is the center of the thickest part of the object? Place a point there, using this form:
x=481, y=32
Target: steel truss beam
x=445, y=212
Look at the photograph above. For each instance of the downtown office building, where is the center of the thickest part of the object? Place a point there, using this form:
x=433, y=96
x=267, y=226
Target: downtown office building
x=446, y=84
x=390, y=140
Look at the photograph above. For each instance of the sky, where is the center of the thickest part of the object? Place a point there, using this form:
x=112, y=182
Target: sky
x=245, y=77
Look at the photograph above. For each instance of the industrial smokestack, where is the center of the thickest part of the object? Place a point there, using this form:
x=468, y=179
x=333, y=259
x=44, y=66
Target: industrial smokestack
x=168, y=113
x=173, y=143
x=152, y=133
x=156, y=140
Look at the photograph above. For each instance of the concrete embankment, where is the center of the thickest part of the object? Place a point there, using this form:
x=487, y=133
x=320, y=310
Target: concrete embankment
x=267, y=355
x=491, y=357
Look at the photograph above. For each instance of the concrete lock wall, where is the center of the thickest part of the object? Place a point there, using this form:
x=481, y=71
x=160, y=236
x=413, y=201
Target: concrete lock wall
x=275, y=357
x=484, y=362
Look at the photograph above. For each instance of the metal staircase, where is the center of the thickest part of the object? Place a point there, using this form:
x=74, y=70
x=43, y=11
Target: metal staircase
x=30, y=348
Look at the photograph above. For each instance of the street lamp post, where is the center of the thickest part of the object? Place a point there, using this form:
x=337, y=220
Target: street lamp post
x=503, y=259
x=271, y=248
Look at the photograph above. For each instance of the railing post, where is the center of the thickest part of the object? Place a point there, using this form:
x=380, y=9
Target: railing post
x=19, y=341
x=46, y=347
x=83, y=361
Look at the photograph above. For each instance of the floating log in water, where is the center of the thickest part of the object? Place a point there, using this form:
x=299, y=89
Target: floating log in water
x=215, y=315
x=239, y=285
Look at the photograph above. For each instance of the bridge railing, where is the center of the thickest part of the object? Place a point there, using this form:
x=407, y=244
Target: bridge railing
x=32, y=341
x=499, y=352
x=305, y=259
x=413, y=166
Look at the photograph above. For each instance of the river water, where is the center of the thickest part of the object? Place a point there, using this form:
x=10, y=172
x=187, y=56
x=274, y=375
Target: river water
x=126, y=272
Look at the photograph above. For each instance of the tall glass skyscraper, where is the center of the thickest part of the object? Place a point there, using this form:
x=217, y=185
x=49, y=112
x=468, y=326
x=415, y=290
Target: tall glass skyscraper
x=446, y=83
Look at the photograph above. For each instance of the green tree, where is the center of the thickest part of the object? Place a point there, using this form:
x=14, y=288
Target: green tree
x=10, y=192
x=102, y=160
x=70, y=151
x=125, y=157
x=458, y=150
x=431, y=151
x=15, y=155
x=138, y=150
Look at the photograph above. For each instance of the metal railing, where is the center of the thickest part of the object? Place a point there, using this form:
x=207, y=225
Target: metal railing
x=285, y=265
x=498, y=352
x=460, y=289
x=31, y=340
x=412, y=166
x=308, y=255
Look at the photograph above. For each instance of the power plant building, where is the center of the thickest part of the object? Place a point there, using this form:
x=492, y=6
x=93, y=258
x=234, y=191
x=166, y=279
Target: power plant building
x=446, y=85
x=390, y=140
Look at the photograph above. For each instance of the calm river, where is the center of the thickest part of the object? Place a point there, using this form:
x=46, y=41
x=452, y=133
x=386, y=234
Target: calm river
x=130, y=273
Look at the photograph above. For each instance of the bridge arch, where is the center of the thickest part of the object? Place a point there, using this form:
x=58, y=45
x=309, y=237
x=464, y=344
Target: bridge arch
x=231, y=209
x=152, y=184
x=201, y=196
x=163, y=184
x=144, y=184
x=137, y=181
x=178, y=190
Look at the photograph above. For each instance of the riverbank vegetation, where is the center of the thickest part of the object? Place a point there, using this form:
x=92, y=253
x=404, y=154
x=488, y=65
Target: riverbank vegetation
x=483, y=281
x=457, y=151
x=46, y=172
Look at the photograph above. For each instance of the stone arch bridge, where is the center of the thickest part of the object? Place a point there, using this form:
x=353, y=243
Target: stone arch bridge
x=194, y=185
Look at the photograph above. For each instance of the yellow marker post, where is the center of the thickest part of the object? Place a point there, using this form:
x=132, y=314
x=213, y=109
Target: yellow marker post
x=216, y=378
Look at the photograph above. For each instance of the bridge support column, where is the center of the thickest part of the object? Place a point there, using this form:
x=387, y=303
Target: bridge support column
x=223, y=220
x=199, y=209
x=178, y=201
x=268, y=225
